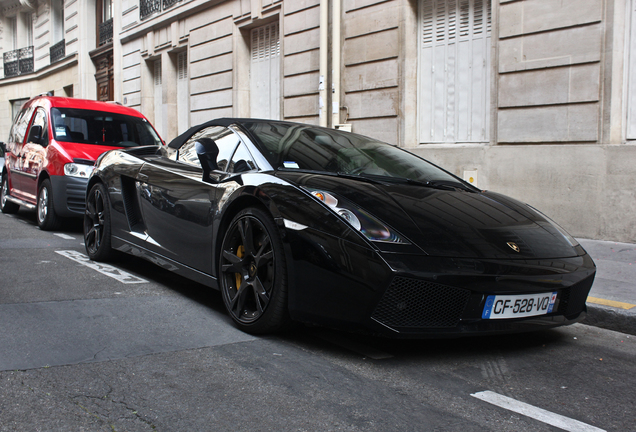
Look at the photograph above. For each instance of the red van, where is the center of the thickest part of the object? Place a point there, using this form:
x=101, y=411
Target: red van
x=52, y=147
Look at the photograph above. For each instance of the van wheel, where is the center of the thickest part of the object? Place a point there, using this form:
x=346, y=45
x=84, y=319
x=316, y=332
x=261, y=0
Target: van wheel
x=47, y=219
x=5, y=205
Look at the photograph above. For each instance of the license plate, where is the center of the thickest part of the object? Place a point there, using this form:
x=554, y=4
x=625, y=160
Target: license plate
x=518, y=306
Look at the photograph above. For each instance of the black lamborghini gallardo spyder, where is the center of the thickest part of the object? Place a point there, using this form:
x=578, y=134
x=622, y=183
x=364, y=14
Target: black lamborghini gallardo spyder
x=293, y=222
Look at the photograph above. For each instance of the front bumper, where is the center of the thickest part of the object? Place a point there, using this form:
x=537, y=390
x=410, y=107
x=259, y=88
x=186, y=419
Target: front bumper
x=69, y=195
x=340, y=284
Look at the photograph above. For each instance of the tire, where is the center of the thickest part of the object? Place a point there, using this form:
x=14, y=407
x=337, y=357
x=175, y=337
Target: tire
x=47, y=219
x=253, y=274
x=7, y=206
x=97, y=227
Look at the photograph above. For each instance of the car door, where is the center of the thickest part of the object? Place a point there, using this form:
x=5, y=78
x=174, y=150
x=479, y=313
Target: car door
x=34, y=154
x=178, y=206
x=14, y=150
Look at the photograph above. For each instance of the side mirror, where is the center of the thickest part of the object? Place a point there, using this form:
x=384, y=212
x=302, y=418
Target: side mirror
x=35, y=134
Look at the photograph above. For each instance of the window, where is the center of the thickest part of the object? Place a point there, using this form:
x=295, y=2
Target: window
x=454, y=81
x=158, y=98
x=102, y=128
x=265, y=72
x=223, y=138
x=12, y=27
x=183, y=106
x=16, y=106
x=242, y=160
x=18, y=131
x=40, y=120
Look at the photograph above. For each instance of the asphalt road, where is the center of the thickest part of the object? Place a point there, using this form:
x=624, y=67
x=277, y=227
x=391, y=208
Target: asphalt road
x=132, y=347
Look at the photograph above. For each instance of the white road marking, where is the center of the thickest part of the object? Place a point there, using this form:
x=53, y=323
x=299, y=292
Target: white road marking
x=542, y=415
x=64, y=236
x=106, y=269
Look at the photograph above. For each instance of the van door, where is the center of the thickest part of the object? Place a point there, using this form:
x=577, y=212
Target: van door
x=34, y=154
x=14, y=151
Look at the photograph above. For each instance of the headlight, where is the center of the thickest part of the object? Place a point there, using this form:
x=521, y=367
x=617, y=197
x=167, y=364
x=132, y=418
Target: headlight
x=358, y=218
x=78, y=170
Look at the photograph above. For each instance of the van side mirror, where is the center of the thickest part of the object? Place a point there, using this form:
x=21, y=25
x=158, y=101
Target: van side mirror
x=35, y=134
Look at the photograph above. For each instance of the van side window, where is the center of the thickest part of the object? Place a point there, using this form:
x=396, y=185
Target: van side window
x=18, y=131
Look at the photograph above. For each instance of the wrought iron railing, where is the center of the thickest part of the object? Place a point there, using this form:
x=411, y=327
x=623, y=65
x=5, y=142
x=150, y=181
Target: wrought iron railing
x=58, y=51
x=18, y=62
x=149, y=7
x=105, y=32
x=169, y=3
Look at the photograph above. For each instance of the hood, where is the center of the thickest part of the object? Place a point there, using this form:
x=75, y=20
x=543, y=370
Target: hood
x=83, y=151
x=451, y=223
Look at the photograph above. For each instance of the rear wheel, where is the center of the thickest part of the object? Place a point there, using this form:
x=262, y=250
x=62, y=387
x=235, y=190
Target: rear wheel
x=97, y=224
x=253, y=276
x=47, y=219
x=5, y=205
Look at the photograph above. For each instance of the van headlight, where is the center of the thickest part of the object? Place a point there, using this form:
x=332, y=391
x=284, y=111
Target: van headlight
x=78, y=170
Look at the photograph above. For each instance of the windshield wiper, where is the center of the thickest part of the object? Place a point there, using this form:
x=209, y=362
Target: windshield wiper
x=333, y=174
x=449, y=185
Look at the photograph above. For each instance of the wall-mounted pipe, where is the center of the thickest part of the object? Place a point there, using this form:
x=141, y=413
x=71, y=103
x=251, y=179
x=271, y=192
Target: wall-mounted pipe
x=323, y=111
x=335, y=62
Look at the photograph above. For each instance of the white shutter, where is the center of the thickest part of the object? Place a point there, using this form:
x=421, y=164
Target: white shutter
x=265, y=72
x=183, y=96
x=158, y=96
x=454, y=76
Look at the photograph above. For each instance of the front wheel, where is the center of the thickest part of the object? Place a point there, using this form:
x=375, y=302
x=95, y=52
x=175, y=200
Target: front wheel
x=252, y=273
x=5, y=205
x=47, y=219
x=97, y=224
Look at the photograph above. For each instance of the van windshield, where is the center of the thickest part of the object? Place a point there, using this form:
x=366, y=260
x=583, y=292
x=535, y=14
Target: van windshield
x=102, y=128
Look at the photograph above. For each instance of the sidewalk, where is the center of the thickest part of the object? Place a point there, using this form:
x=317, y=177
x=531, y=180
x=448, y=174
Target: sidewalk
x=612, y=300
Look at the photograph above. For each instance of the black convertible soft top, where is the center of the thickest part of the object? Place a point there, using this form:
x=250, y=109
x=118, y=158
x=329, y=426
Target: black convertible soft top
x=225, y=121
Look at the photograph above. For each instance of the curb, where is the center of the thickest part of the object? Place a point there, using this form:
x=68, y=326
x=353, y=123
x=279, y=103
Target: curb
x=610, y=318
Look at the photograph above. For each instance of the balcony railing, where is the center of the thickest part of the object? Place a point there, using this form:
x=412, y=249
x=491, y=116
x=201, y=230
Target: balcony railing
x=58, y=51
x=149, y=7
x=18, y=62
x=105, y=32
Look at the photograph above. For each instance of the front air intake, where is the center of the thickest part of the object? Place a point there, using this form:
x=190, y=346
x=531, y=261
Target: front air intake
x=414, y=303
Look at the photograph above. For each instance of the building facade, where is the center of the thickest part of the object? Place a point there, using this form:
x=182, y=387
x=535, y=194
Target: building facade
x=532, y=98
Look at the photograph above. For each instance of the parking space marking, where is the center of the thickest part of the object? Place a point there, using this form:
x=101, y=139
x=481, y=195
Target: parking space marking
x=542, y=415
x=105, y=269
x=612, y=303
x=64, y=236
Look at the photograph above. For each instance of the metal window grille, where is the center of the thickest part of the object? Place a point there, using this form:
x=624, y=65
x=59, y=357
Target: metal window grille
x=18, y=62
x=58, y=51
x=150, y=7
x=106, y=32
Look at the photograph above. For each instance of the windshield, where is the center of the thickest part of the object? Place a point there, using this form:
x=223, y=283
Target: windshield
x=294, y=147
x=102, y=128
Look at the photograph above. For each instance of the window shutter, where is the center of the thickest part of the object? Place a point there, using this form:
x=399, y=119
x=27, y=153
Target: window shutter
x=265, y=72
x=454, y=70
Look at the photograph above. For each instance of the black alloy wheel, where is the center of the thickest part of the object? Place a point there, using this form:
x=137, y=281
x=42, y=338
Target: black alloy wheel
x=97, y=224
x=5, y=205
x=47, y=219
x=253, y=277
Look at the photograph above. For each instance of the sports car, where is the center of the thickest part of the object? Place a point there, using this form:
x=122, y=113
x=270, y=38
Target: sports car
x=293, y=222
